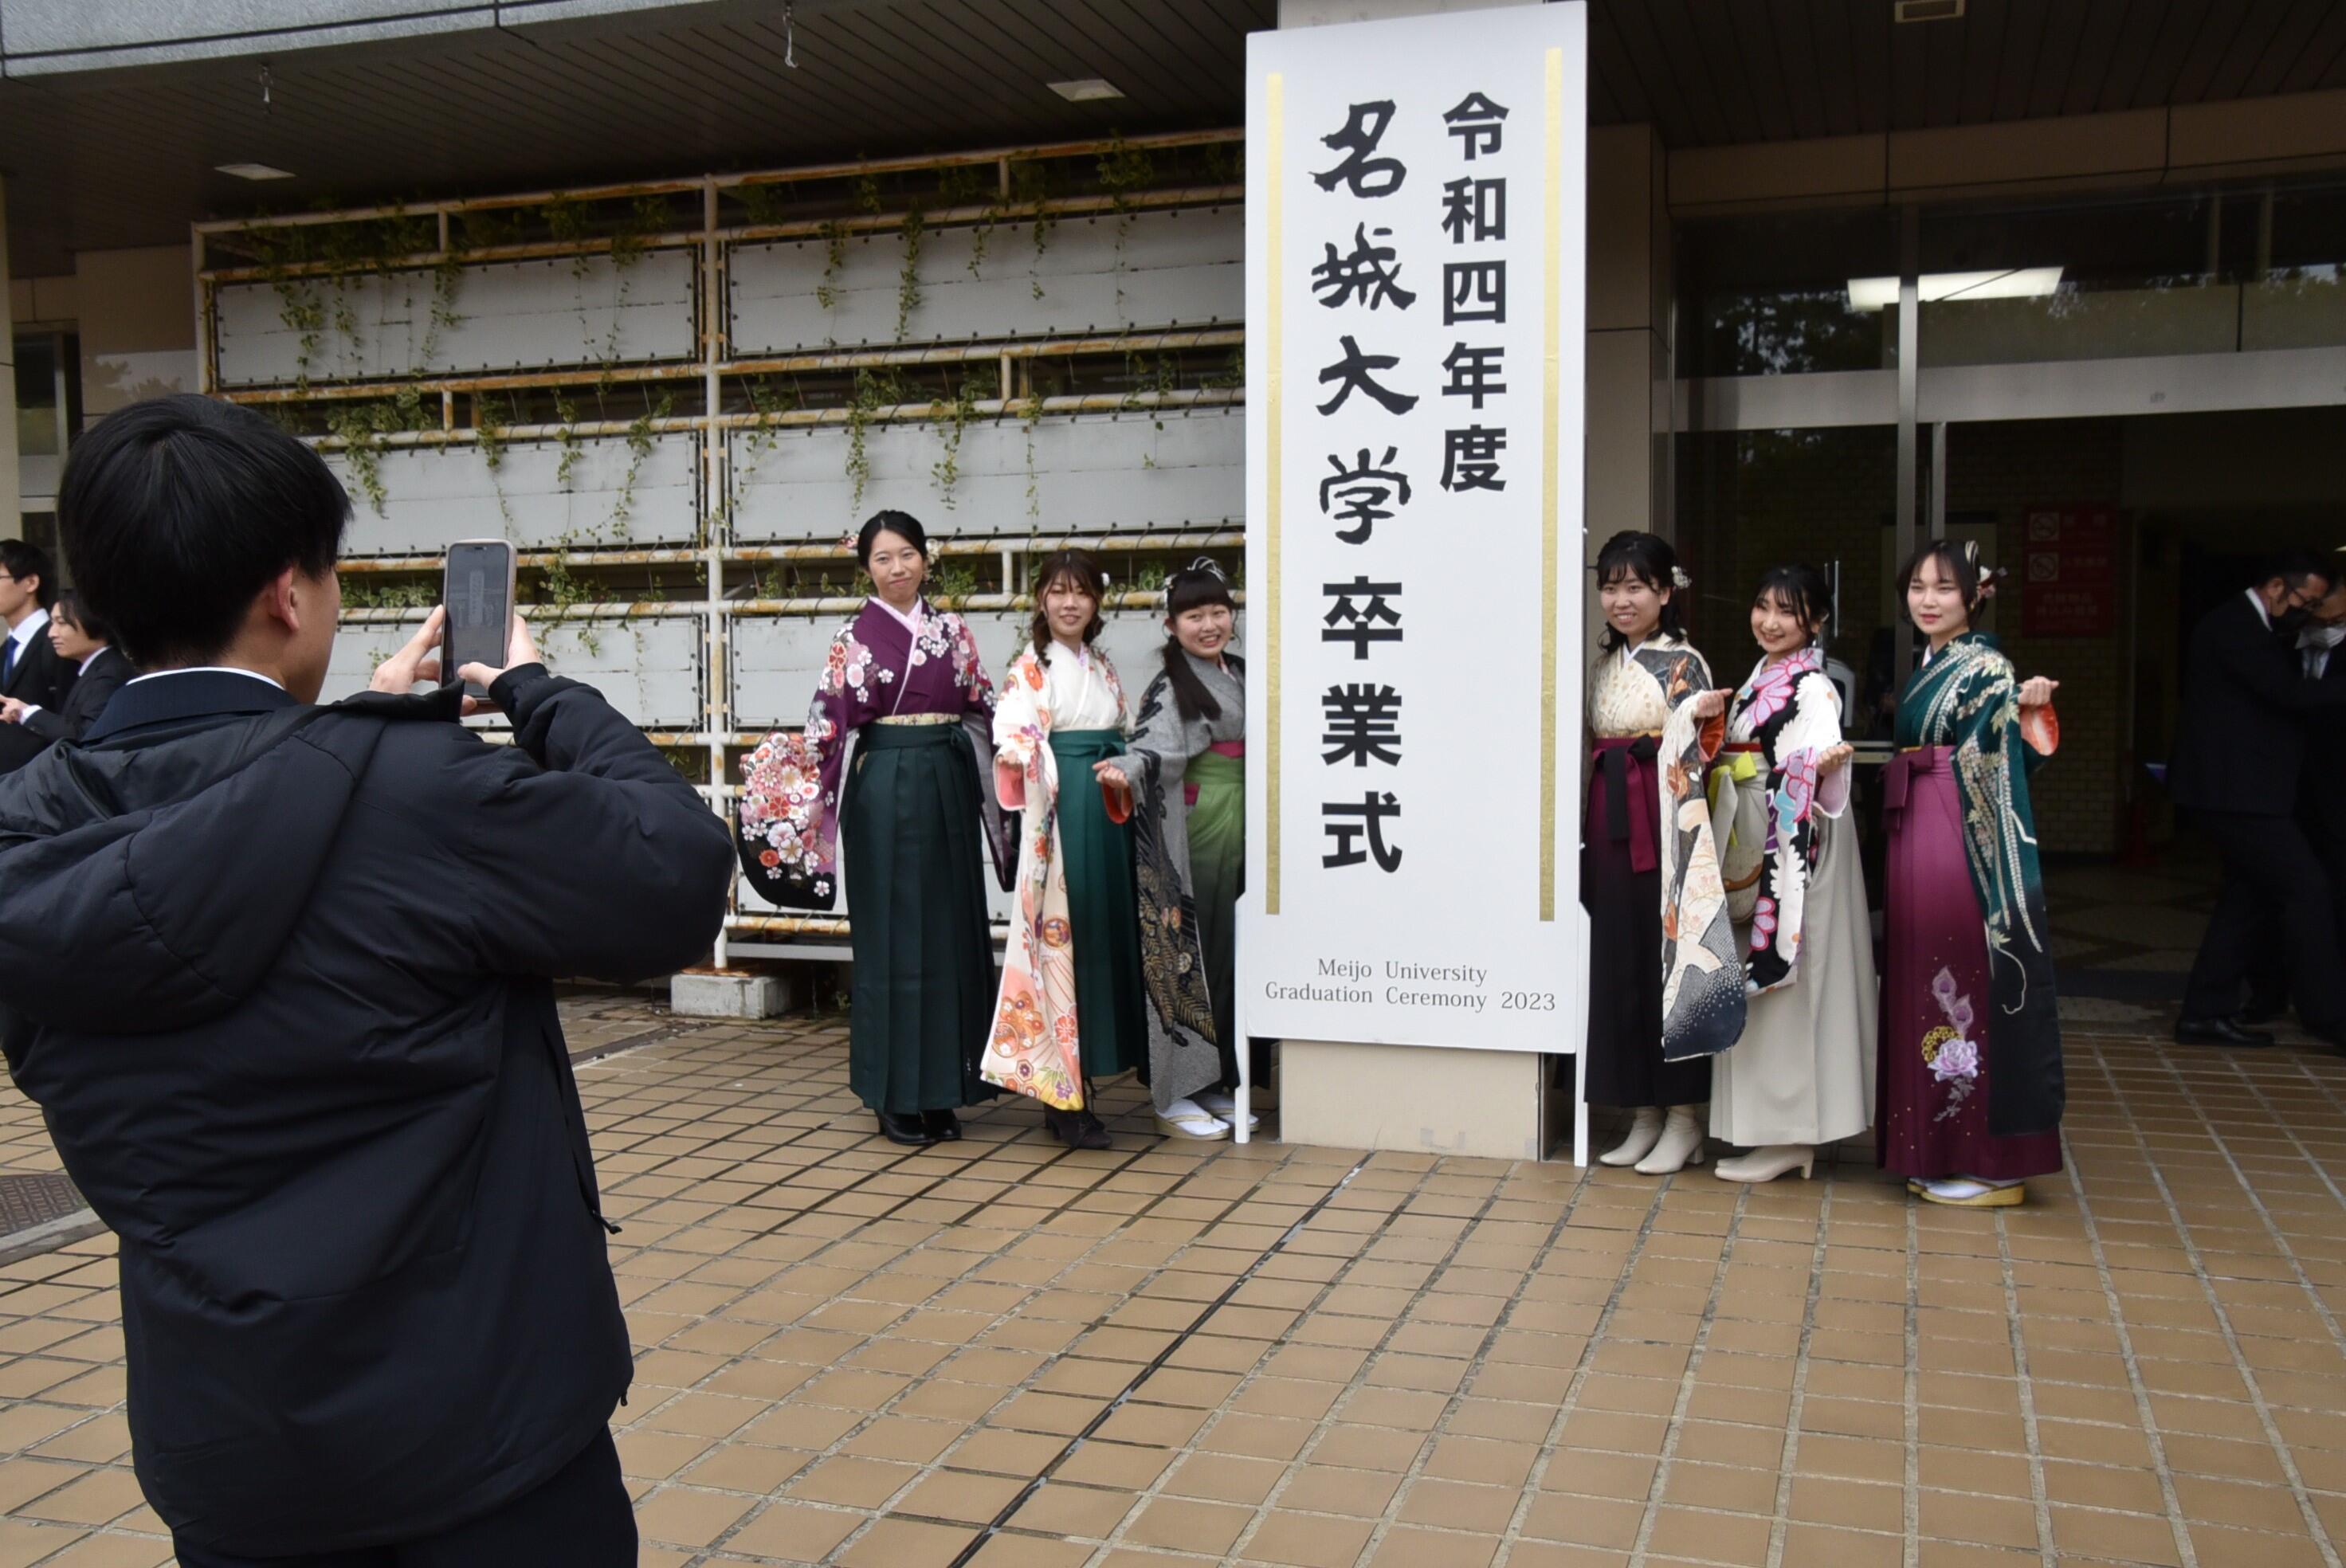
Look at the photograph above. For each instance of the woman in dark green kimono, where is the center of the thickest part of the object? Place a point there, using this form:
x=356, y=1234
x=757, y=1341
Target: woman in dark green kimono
x=1071, y=1008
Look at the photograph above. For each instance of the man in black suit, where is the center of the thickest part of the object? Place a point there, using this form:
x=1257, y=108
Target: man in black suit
x=30, y=670
x=2321, y=802
x=86, y=645
x=2239, y=749
x=281, y=978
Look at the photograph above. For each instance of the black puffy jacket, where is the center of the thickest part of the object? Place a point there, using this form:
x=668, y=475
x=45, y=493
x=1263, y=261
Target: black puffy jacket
x=281, y=978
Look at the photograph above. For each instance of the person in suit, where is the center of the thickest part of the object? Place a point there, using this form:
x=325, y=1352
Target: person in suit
x=2239, y=748
x=85, y=645
x=30, y=670
x=2320, y=803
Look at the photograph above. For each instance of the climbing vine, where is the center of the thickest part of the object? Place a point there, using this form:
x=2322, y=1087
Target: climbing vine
x=975, y=388
x=874, y=389
x=908, y=277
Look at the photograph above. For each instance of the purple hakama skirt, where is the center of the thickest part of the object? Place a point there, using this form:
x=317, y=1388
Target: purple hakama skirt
x=1937, y=1013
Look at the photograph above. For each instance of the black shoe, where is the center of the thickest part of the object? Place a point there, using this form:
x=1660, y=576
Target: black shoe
x=942, y=1126
x=900, y=1129
x=2219, y=1032
x=1077, y=1129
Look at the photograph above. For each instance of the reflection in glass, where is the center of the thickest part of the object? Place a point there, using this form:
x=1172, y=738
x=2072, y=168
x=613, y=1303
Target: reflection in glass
x=1769, y=295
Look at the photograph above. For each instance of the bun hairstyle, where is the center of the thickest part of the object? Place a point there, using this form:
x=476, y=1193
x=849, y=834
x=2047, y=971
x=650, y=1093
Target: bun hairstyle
x=1649, y=558
x=902, y=522
x=1802, y=589
x=1957, y=561
x=1201, y=582
x=1077, y=568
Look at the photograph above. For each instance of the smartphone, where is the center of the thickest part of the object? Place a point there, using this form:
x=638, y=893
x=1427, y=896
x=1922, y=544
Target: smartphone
x=479, y=596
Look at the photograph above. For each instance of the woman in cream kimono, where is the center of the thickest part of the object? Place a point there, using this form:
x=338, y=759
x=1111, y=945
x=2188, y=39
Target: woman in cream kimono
x=1802, y=1072
x=1672, y=991
x=1071, y=1007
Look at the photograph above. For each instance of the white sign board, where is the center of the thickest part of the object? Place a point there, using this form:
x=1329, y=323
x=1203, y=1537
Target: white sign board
x=1415, y=245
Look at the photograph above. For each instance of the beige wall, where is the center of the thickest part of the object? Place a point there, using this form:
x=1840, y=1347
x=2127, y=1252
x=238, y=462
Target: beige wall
x=137, y=314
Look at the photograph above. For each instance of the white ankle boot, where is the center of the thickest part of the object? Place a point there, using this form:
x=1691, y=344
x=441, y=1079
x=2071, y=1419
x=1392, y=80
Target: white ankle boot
x=1767, y=1164
x=1681, y=1141
x=1645, y=1132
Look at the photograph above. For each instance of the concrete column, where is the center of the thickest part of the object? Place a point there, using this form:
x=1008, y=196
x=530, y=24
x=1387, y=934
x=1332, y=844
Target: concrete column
x=1504, y=1105
x=12, y=484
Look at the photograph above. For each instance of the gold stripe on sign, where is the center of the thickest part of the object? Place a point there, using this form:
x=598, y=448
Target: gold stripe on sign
x=1549, y=499
x=1274, y=389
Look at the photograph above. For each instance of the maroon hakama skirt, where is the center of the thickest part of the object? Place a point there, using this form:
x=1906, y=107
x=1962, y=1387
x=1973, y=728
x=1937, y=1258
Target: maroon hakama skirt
x=1937, y=1013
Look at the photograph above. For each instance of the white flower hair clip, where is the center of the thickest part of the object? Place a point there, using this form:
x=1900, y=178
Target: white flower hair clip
x=1679, y=578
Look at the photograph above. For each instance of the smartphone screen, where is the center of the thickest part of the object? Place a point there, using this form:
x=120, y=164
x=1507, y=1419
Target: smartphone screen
x=479, y=596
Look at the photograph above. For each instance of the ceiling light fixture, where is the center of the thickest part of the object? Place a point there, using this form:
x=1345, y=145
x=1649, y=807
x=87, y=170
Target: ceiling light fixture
x=2005, y=283
x=1087, y=90
x=253, y=172
x=1927, y=10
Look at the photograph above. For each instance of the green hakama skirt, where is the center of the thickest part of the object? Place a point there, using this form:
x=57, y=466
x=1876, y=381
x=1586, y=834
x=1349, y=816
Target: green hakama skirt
x=1217, y=865
x=921, y=1004
x=1103, y=907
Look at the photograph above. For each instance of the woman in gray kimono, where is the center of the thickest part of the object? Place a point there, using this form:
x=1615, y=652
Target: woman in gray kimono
x=1186, y=770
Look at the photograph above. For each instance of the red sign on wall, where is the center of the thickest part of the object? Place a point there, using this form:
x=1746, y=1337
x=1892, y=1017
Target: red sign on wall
x=2068, y=585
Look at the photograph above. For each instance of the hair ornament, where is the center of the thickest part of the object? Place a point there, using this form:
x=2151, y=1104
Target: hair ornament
x=1971, y=551
x=1208, y=563
x=1679, y=578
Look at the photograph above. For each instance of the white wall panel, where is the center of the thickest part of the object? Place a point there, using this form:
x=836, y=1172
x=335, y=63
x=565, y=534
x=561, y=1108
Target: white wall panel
x=1184, y=268
x=647, y=667
x=433, y=495
x=1097, y=471
x=515, y=315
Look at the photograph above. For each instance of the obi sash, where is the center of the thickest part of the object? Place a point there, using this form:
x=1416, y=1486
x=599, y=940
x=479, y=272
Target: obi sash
x=1628, y=763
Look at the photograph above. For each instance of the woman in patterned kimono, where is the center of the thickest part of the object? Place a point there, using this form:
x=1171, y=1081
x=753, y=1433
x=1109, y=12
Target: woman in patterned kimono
x=1971, y=1091
x=1644, y=672
x=888, y=763
x=1072, y=1004
x=1802, y=1072
x=1187, y=770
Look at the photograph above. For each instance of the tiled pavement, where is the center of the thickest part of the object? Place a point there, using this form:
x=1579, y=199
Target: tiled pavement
x=1005, y=1354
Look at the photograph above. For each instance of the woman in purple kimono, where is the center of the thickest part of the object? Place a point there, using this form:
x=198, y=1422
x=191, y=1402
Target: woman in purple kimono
x=895, y=746
x=1970, y=1087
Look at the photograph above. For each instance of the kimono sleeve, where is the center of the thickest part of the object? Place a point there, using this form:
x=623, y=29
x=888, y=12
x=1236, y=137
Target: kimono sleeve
x=1159, y=745
x=788, y=816
x=1813, y=729
x=1022, y=726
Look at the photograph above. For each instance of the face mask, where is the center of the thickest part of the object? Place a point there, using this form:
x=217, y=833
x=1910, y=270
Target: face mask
x=2321, y=637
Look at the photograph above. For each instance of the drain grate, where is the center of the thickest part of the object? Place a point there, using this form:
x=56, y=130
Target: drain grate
x=29, y=1201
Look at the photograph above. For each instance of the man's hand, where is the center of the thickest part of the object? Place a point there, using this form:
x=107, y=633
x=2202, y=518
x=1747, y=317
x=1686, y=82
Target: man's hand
x=2037, y=691
x=12, y=711
x=417, y=663
x=519, y=650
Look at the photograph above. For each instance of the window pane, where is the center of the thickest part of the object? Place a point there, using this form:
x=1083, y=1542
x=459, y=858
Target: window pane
x=38, y=426
x=1770, y=295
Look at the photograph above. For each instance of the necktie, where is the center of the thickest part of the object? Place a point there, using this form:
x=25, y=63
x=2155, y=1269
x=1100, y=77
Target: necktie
x=8, y=668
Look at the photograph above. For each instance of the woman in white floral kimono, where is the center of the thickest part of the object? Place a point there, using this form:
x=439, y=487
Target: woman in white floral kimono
x=1072, y=1004
x=1802, y=1072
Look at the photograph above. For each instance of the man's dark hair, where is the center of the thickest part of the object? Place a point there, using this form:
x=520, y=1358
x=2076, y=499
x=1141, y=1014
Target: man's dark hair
x=23, y=561
x=2294, y=566
x=175, y=511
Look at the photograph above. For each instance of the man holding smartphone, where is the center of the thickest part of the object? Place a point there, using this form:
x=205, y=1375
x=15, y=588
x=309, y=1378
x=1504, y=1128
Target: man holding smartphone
x=282, y=980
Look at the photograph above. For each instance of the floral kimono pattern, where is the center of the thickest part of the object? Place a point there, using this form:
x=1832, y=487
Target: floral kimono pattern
x=1790, y=713
x=1035, y=1049
x=1966, y=698
x=1702, y=978
x=1182, y=1054
x=788, y=815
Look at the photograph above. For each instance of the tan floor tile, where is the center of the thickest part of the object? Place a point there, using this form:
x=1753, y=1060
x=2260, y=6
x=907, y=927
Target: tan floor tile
x=1306, y=1541
x=1456, y=1506
x=746, y=1467
x=682, y=1516
x=1727, y=1538
x=1207, y=1528
x=906, y=1543
x=1009, y=1550
x=113, y=1552
x=2127, y=1537
x=1409, y=1548
x=795, y=1532
x=1224, y=1477
x=1060, y=1509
